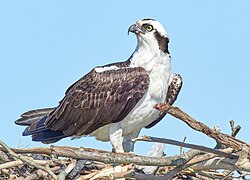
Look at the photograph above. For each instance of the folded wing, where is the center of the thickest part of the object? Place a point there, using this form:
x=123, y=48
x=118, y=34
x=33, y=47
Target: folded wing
x=97, y=99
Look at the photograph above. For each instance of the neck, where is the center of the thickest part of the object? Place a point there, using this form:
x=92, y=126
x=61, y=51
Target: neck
x=148, y=55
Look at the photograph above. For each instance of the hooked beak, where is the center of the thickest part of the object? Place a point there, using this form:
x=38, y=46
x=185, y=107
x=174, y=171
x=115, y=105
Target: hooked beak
x=135, y=29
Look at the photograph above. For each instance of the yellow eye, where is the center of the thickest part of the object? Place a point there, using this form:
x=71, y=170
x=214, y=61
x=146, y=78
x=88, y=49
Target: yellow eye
x=149, y=28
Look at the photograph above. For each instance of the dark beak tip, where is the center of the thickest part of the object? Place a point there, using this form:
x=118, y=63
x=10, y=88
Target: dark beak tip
x=133, y=28
x=128, y=32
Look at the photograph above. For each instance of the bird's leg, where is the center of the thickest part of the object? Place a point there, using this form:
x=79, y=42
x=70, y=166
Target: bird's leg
x=116, y=138
x=128, y=145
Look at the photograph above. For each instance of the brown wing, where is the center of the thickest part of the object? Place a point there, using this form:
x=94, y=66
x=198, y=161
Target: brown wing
x=98, y=99
x=172, y=94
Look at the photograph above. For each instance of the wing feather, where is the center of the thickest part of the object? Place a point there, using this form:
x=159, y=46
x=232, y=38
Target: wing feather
x=98, y=99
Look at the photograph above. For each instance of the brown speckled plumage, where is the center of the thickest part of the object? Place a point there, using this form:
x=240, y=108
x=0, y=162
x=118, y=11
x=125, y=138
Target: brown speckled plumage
x=78, y=112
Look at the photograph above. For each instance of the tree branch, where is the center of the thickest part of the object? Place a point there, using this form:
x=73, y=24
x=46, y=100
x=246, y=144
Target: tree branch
x=102, y=156
x=19, y=162
x=198, y=126
x=187, y=145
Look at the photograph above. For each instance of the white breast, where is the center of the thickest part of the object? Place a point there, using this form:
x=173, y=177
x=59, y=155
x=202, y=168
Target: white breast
x=144, y=112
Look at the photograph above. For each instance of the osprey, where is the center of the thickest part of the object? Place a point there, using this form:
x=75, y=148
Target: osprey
x=115, y=101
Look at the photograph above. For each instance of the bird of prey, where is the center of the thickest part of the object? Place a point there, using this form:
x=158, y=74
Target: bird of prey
x=115, y=101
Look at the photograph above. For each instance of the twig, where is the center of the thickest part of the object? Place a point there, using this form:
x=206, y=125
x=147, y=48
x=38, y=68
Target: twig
x=198, y=126
x=36, y=150
x=19, y=162
x=28, y=161
x=62, y=175
x=39, y=174
x=138, y=176
x=207, y=156
x=119, y=175
x=47, y=169
x=78, y=167
x=191, y=154
x=217, y=163
x=4, y=157
x=227, y=175
x=211, y=175
x=192, y=161
x=234, y=130
x=187, y=145
x=88, y=176
x=181, y=147
x=113, y=172
x=241, y=164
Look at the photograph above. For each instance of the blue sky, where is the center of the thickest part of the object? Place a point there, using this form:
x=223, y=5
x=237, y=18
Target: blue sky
x=45, y=46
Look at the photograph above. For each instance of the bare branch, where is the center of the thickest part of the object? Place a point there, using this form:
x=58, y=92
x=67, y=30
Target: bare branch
x=181, y=147
x=234, y=130
x=19, y=162
x=187, y=145
x=198, y=126
x=211, y=162
x=102, y=156
x=64, y=173
x=109, y=157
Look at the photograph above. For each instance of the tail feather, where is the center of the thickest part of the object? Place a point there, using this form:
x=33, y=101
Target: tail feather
x=35, y=120
x=35, y=127
x=36, y=112
x=48, y=136
x=32, y=116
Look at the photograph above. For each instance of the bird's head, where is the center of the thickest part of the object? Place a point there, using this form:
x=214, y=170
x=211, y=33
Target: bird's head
x=150, y=32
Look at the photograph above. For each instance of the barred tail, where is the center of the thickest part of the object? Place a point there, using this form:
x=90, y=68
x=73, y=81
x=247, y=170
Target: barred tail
x=35, y=120
x=33, y=116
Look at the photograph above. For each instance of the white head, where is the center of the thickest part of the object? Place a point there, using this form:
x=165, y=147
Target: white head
x=150, y=32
